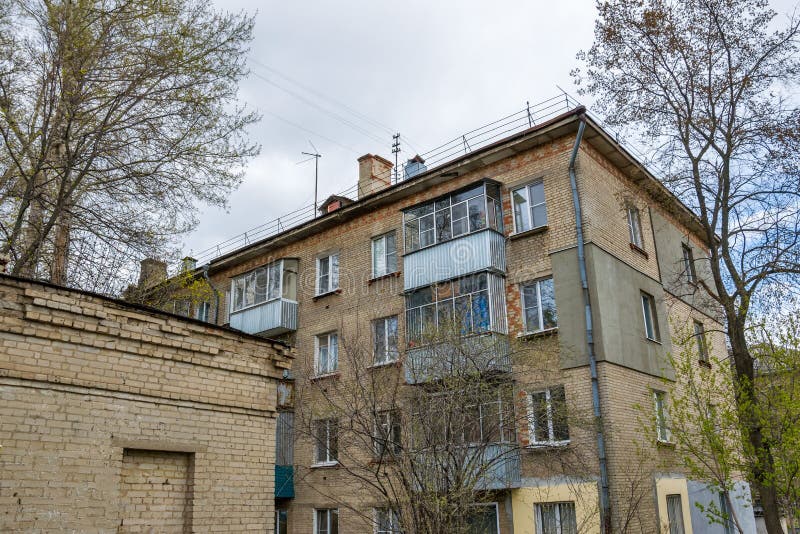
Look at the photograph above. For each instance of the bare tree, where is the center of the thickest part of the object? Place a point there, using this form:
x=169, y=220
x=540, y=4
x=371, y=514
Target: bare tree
x=117, y=119
x=709, y=86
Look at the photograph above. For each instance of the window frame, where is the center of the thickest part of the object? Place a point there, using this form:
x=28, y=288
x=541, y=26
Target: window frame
x=537, y=512
x=383, y=440
x=533, y=441
x=496, y=508
x=652, y=331
x=278, y=522
x=268, y=269
x=332, y=274
x=329, y=513
x=688, y=264
x=329, y=369
x=394, y=520
x=538, y=283
x=663, y=432
x=635, y=231
x=670, y=520
x=530, y=206
x=331, y=445
x=386, y=254
x=390, y=355
x=702, y=342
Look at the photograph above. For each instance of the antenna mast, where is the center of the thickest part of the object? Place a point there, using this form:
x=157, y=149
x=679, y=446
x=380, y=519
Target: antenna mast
x=316, y=155
x=396, y=152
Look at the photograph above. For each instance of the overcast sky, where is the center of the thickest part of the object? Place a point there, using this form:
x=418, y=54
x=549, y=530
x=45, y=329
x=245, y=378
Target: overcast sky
x=346, y=75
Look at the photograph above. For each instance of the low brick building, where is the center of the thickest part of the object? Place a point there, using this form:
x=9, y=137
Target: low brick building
x=117, y=418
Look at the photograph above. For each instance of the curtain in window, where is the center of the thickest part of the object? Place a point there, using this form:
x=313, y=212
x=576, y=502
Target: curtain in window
x=675, y=514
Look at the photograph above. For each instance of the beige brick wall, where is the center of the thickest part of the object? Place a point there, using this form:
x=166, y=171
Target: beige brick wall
x=84, y=379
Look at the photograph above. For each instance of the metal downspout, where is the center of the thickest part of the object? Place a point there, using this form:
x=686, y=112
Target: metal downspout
x=605, y=504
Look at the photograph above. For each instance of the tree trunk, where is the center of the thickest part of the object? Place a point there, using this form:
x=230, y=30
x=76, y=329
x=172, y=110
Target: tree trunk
x=32, y=233
x=764, y=463
x=58, y=268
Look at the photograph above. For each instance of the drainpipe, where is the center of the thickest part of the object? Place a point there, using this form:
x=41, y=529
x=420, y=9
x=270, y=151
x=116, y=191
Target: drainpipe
x=216, y=292
x=605, y=504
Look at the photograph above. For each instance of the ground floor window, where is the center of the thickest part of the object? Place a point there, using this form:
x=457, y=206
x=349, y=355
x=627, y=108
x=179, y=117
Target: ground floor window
x=281, y=523
x=675, y=514
x=556, y=518
x=482, y=519
x=326, y=521
x=386, y=521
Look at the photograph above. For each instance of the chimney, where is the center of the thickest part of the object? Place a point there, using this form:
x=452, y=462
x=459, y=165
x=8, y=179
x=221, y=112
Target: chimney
x=414, y=166
x=374, y=174
x=152, y=272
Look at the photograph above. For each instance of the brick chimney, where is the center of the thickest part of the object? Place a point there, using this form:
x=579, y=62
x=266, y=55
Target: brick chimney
x=374, y=174
x=152, y=272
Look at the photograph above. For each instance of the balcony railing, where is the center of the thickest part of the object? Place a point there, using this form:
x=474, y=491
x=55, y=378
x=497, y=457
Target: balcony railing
x=270, y=318
x=463, y=255
x=284, y=482
x=475, y=354
x=489, y=466
x=502, y=464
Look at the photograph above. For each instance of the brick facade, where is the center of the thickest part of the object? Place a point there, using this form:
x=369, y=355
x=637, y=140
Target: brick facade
x=115, y=418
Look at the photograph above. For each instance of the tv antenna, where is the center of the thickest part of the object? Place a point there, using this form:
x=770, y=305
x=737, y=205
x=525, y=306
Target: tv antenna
x=395, y=151
x=315, y=156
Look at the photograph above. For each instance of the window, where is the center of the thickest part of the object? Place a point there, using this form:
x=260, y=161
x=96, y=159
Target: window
x=281, y=521
x=556, y=518
x=326, y=521
x=453, y=215
x=463, y=303
x=650, y=317
x=201, y=313
x=258, y=286
x=539, y=304
x=327, y=353
x=444, y=418
x=700, y=337
x=635, y=227
x=529, y=207
x=386, y=521
x=384, y=340
x=662, y=420
x=489, y=421
x=387, y=433
x=688, y=264
x=327, y=273
x=384, y=255
x=482, y=519
x=548, y=417
x=675, y=514
x=326, y=433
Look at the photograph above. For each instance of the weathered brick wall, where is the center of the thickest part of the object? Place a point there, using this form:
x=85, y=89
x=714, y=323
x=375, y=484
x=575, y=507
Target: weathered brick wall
x=88, y=384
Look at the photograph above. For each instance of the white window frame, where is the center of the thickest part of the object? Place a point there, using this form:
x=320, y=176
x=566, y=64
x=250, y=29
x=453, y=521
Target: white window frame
x=527, y=193
x=635, y=226
x=394, y=521
x=391, y=354
x=663, y=433
x=702, y=342
x=387, y=255
x=331, y=340
x=525, y=306
x=269, y=270
x=203, y=311
x=328, y=519
x=688, y=264
x=329, y=457
x=383, y=431
x=537, y=512
x=332, y=285
x=649, y=311
x=551, y=441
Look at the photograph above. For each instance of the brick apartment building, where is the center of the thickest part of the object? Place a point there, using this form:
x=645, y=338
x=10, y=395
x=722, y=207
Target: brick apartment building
x=497, y=225
x=120, y=418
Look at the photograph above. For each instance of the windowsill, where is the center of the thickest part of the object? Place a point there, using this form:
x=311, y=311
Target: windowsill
x=533, y=231
x=640, y=250
x=392, y=363
x=548, y=445
x=337, y=291
x=666, y=444
x=651, y=340
x=335, y=374
x=539, y=333
x=325, y=465
x=383, y=277
x=704, y=363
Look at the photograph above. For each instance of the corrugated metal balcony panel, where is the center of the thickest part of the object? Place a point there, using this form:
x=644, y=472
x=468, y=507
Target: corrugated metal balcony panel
x=478, y=354
x=460, y=256
x=284, y=482
x=492, y=466
x=269, y=318
x=503, y=467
